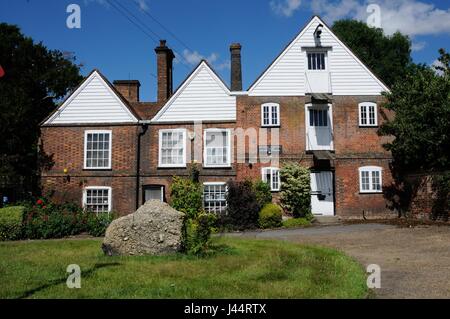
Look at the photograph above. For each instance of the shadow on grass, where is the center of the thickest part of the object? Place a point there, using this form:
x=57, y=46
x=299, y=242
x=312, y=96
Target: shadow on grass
x=55, y=282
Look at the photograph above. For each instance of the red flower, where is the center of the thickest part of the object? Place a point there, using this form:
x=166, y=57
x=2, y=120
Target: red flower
x=44, y=207
x=39, y=202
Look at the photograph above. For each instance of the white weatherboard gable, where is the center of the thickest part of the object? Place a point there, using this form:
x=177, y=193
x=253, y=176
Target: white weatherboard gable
x=93, y=102
x=202, y=97
x=287, y=74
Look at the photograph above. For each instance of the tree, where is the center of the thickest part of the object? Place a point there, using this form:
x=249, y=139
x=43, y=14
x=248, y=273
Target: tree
x=421, y=102
x=34, y=79
x=389, y=57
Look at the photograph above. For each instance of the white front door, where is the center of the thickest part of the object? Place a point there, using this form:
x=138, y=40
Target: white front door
x=319, y=128
x=322, y=202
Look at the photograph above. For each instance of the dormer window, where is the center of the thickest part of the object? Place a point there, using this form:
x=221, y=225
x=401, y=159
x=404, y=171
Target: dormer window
x=316, y=60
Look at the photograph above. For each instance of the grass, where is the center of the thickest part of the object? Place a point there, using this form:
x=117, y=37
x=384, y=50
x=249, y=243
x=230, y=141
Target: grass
x=296, y=222
x=237, y=269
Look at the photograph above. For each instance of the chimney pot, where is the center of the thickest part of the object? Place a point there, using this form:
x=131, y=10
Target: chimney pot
x=236, y=71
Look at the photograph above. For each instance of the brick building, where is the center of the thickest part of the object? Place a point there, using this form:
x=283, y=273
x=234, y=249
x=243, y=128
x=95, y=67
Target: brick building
x=316, y=104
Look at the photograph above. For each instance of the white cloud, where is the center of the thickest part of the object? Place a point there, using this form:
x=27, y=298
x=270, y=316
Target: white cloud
x=411, y=17
x=285, y=7
x=435, y=64
x=418, y=46
x=193, y=58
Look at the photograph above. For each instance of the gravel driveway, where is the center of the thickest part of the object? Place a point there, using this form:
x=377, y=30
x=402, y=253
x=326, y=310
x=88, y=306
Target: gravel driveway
x=415, y=262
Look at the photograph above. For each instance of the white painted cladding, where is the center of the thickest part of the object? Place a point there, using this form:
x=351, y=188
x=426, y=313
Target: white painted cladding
x=287, y=75
x=93, y=102
x=203, y=96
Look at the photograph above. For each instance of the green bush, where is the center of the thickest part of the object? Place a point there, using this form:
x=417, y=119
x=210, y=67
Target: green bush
x=262, y=192
x=242, y=206
x=296, y=222
x=295, y=195
x=270, y=216
x=44, y=220
x=186, y=196
x=198, y=233
x=97, y=223
x=11, y=222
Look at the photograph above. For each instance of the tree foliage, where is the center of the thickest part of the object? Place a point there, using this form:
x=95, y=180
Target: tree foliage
x=35, y=78
x=388, y=56
x=421, y=126
x=295, y=190
x=186, y=196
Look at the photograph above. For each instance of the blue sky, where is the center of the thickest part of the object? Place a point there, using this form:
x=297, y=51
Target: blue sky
x=110, y=42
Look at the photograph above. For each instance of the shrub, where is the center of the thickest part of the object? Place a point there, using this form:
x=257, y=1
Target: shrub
x=295, y=194
x=46, y=220
x=262, y=192
x=242, y=205
x=198, y=233
x=97, y=223
x=296, y=222
x=186, y=196
x=270, y=216
x=11, y=222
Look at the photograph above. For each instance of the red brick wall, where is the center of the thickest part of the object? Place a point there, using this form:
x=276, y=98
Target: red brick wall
x=153, y=175
x=65, y=148
x=424, y=197
x=350, y=203
x=354, y=147
x=349, y=137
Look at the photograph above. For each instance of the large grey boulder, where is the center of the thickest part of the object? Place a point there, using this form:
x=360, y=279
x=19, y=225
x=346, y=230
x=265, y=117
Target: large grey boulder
x=154, y=229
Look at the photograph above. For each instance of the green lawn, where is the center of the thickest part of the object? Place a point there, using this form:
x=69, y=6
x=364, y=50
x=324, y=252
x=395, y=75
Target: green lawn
x=238, y=269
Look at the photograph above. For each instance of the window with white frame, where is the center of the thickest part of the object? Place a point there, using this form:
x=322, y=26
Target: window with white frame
x=368, y=114
x=172, y=148
x=214, y=197
x=370, y=179
x=316, y=60
x=217, y=147
x=97, y=149
x=97, y=199
x=271, y=175
x=270, y=114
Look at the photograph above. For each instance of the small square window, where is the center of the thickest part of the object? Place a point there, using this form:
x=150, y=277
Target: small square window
x=271, y=175
x=370, y=179
x=97, y=199
x=368, y=114
x=316, y=61
x=270, y=114
x=214, y=197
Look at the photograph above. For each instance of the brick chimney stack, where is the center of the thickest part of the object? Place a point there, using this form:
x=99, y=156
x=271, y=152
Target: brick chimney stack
x=164, y=58
x=236, y=72
x=129, y=89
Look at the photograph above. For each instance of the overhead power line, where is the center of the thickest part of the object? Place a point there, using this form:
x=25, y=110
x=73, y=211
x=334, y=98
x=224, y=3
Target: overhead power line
x=164, y=27
x=153, y=35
